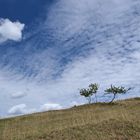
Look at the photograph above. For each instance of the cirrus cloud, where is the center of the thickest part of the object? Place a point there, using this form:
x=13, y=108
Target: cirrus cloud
x=91, y=43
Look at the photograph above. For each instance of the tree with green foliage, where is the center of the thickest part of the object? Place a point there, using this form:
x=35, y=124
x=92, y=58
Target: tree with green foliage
x=115, y=91
x=90, y=91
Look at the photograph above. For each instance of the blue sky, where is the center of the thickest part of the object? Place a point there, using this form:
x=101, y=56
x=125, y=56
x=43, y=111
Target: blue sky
x=51, y=49
x=25, y=11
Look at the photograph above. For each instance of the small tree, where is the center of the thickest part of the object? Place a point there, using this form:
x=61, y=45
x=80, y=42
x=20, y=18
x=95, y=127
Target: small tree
x=94, y=88
x=115, y=91
x=88, y=93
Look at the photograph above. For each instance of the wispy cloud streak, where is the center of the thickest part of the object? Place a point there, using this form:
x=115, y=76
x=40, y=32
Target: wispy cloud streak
x=78, y=43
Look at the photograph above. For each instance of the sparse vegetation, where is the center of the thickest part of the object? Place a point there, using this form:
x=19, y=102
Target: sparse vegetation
x=101, y=121
x=89, y=92
x=115, y=91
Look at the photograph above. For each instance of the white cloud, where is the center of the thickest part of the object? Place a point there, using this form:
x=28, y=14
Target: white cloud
x=23, y=109
x=18, y=95
x=109, y=38
x=10, y=30
x=20, y=109
x=47, y=107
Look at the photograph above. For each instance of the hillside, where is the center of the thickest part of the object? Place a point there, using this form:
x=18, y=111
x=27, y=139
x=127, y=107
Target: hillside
x=119, y=121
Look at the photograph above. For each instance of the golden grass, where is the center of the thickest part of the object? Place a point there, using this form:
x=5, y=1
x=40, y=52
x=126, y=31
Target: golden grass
x=119, y=121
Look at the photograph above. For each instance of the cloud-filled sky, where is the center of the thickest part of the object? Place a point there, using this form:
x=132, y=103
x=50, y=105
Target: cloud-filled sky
x=48, y=55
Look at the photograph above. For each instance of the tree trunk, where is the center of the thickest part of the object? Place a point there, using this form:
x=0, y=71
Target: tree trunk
x=89, y=100
x=96, y=98
x=112, y=99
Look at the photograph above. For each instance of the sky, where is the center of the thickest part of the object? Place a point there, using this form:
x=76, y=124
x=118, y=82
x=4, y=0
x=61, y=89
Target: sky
x=49, y=49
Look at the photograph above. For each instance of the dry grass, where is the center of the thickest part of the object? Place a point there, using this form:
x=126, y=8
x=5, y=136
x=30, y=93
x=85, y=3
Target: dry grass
x=119, y=121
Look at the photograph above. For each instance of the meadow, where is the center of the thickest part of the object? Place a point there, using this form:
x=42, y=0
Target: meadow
x=100, y=121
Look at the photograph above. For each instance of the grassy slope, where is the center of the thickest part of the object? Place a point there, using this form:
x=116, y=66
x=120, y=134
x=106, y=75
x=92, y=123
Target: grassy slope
x=120, y=121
